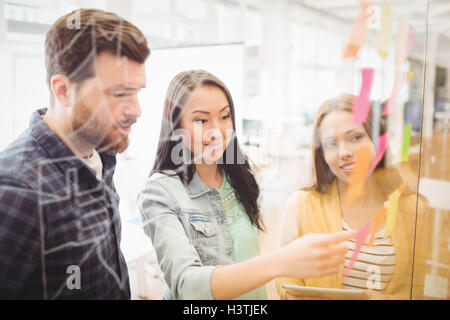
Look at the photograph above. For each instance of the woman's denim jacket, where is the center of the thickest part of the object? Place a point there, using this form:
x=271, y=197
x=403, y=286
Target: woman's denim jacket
x=189, y=231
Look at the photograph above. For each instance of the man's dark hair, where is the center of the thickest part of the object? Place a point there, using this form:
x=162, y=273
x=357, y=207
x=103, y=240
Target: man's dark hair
x=75, y=39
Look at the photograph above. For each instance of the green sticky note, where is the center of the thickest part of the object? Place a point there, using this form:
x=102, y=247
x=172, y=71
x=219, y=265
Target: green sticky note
x=406, y=141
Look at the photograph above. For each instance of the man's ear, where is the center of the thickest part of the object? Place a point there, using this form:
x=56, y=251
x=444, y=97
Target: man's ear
x=60, y=86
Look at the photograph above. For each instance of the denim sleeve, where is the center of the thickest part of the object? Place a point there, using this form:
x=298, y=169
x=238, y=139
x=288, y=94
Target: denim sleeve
x=20, y=247
x=180, y=263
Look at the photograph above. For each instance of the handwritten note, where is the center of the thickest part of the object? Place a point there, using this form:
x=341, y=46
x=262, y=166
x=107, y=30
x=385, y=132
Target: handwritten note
x=362, y=103
x=359, y=32
x=363, y=159
x=385, y=33
x=360, y=237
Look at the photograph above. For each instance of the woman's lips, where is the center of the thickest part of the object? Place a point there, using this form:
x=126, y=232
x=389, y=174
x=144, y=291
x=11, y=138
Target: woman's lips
x=348, y=167
x=213, y=145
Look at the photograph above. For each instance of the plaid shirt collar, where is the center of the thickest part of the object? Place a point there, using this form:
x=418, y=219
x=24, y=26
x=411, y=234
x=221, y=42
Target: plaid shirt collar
x=57, y=149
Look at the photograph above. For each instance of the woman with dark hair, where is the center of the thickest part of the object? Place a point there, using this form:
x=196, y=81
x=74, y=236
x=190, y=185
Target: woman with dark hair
x=383, y=266
x=200, y=204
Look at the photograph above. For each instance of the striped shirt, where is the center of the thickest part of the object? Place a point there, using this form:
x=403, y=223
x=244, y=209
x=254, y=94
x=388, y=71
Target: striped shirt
x=374, y=265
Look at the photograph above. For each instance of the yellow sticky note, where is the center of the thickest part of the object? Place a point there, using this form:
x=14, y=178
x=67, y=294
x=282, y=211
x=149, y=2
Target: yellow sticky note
x=385, y=33
x=376, y=222
x=409, y=76
x=391, y=215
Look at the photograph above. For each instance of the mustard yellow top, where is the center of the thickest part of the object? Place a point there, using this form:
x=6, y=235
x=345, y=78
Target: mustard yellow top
x=321, y=213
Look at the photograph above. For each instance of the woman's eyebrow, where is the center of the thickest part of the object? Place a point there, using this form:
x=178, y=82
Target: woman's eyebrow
x=351, y=130
x=200, y=111
x=206, y=112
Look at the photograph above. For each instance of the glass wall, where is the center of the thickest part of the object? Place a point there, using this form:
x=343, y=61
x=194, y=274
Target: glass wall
x=281, y=60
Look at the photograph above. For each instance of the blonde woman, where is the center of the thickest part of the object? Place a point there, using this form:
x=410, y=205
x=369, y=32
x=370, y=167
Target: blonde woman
x=319, y=208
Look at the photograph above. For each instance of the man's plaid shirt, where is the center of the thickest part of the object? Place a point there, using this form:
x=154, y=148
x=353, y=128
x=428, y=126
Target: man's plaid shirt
x=59, y=226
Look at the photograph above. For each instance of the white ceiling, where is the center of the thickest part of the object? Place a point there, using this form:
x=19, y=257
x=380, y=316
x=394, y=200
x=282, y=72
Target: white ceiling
x=414, y=11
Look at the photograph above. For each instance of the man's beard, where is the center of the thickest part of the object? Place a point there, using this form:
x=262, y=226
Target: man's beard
x=87, y=126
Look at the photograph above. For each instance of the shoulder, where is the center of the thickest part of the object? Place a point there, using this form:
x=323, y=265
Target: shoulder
x=167, y=179
x=161, y=188
x=19, y=161
x=299, y=201
x=298, y=197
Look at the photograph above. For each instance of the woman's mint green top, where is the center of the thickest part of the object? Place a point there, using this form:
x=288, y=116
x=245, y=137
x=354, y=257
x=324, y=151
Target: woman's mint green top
x=243, y=233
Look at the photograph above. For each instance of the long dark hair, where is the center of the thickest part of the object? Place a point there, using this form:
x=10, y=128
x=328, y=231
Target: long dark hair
x=233, y=162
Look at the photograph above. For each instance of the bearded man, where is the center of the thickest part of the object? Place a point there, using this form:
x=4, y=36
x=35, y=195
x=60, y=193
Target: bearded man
x=59, y=221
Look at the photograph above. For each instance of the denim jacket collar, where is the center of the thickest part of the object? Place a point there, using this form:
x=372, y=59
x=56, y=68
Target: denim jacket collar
x=196, y=188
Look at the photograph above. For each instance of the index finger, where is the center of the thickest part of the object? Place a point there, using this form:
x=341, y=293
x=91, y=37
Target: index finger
x=332, y=238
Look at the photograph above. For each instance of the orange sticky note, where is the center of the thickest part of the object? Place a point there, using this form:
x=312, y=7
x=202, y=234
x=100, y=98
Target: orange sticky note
x=376, y=222
x=359, y=32
x=391, y=215
x=403, y=186
x=355, y=188
x=385, y=33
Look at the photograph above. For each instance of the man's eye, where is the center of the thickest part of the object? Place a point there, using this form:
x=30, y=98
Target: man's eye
x=120, y=94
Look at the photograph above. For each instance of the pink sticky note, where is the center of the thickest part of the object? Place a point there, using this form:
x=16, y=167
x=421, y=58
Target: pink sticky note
x=362, y=103
x=410, y=41
x=401, y=45
x=381, y=149
x=399, y=79
x=360, y=237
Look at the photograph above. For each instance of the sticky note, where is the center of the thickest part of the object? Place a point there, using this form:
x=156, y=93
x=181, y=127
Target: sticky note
x=403, y=186
x=362, y=103
x=391, y=214
x=359, y=32
x=402, y=30
x=360, y=237
x=376, y=222
x=385, y=32
x=410, y=41
x=409, y=76
x=399, y=79
x=403, y=154
x=381, y=150
x=406, y=142
x=355, y=188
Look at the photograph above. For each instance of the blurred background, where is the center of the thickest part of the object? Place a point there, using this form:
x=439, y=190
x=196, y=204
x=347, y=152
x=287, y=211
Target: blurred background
x=280, y=59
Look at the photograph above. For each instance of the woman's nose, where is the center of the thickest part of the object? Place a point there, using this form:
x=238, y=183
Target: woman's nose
x=345, y=151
